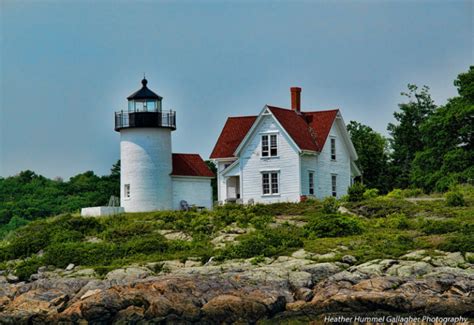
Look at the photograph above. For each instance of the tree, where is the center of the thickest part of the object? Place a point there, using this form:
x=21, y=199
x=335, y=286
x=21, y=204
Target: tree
x=407, y=135
x=448, y=150
x=371, y=148
x=213, y=168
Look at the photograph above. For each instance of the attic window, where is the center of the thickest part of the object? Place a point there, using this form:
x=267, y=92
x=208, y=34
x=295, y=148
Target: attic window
x=333, y=148
x=269, y=145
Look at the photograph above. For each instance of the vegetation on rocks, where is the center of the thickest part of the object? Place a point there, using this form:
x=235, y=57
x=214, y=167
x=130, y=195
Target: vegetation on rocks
x=379, y=227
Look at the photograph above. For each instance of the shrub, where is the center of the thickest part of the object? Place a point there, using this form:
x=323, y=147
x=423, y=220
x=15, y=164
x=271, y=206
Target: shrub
x=371, y=193
x=395, y=194
x=268, y=242
x=62, y=254
x=145, y=245
x=398, y=221
x=28, y=267
x=462, y=241
x=356, y=192
x=126, y=229
x=436, y=227
x=455, y=199
x=333, y=225
x=412, y=192
x=330, y=205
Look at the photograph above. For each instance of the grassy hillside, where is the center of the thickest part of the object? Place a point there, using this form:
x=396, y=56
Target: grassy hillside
x=377, y=227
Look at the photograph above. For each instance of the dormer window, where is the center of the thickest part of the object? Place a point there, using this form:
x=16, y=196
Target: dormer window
x=269, y=145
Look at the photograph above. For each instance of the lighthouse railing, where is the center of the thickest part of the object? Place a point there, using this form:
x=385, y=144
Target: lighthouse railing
x=125, y=119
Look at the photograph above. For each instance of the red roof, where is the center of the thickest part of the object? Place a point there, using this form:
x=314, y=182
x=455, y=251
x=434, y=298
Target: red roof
x=190, y=164
x=309, y=130
x=232, y=134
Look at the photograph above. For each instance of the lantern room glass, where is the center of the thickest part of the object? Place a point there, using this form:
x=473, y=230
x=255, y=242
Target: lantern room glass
x=145, y=105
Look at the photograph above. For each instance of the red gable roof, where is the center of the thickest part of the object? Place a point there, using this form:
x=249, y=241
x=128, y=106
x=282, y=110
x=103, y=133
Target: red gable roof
x=232, y=134
x=309, y=130
x=189, y=164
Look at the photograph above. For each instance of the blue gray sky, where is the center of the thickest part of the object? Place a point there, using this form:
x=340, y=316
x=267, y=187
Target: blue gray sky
x=66, y=66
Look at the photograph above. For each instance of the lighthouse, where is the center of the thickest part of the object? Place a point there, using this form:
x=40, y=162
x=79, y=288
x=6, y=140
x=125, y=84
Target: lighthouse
x=151, y=176
x=145, y=152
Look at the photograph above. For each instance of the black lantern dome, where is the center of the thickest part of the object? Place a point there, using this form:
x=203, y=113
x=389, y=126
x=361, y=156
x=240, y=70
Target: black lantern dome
x=144, y=110
x=144, y=93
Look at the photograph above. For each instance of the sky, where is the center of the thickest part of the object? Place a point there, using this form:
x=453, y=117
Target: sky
x=66, y=66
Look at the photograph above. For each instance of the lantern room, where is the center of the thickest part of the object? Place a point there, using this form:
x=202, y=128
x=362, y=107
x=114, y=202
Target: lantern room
x=144, y=100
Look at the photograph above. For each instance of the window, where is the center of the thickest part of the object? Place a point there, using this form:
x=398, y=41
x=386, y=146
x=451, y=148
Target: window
x=270, y=183
x=269, y=145
x=311, y=183
x=334, y=185
x=333, y=149
x=126, y=191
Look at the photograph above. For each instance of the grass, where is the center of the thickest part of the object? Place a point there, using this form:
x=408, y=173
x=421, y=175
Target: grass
x=386, y=227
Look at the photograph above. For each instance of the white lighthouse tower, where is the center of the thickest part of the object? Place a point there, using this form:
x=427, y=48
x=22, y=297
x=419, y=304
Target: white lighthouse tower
x=145, y=152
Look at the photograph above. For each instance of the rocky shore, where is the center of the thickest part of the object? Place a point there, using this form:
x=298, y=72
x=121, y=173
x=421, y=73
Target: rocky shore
x=295, y=287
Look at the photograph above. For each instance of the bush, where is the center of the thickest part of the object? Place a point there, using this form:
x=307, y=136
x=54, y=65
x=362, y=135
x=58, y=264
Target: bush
x=356, y=192
x=455, y=199
x=395, y=194
x=436, y=227
x=333, y=225
x=61, y=255
x=28, y=267
x=462, y=241
x=412, y=192
x=268, y=242
x=371, y=193
x=398, y=221
x=330, y=205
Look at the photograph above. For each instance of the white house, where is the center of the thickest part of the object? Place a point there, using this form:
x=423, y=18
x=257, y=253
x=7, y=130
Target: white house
x=151, y=176
x=284, y=155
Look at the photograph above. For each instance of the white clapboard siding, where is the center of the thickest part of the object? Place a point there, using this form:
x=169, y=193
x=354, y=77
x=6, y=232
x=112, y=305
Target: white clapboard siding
x=194, y=190
x=340, y=167
x=252, y=164
x=308, y=163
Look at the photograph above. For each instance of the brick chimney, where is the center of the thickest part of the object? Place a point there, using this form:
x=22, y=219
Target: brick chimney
x=296, y=99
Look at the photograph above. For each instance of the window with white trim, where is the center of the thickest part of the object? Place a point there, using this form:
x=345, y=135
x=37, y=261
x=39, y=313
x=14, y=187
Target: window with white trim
x=126, y=191
x=311, y=183
x=269, y=145
x=334, y=185
x=333, y=148
x=270, y=183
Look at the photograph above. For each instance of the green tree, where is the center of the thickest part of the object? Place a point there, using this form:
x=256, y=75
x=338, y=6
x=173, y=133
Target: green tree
x=448, y=153
x=371, y=148
x=213, y=168
x=407, y=135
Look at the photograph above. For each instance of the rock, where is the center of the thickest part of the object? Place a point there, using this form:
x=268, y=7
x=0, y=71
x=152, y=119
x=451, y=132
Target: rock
x=83, y=273
x=70, y=267
x=12, y=278
x=40, y=253
x=304, y=294
x=299, y=279
x=302, y=254
x=175, y=235
x=453, y=259
x=320, y=271
x=349, y=259
x=128, y=274
x=324, y=257
x=42, y=269
x=231, y=309
x=90, y=293
x=190, y=263
x=417, y=255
